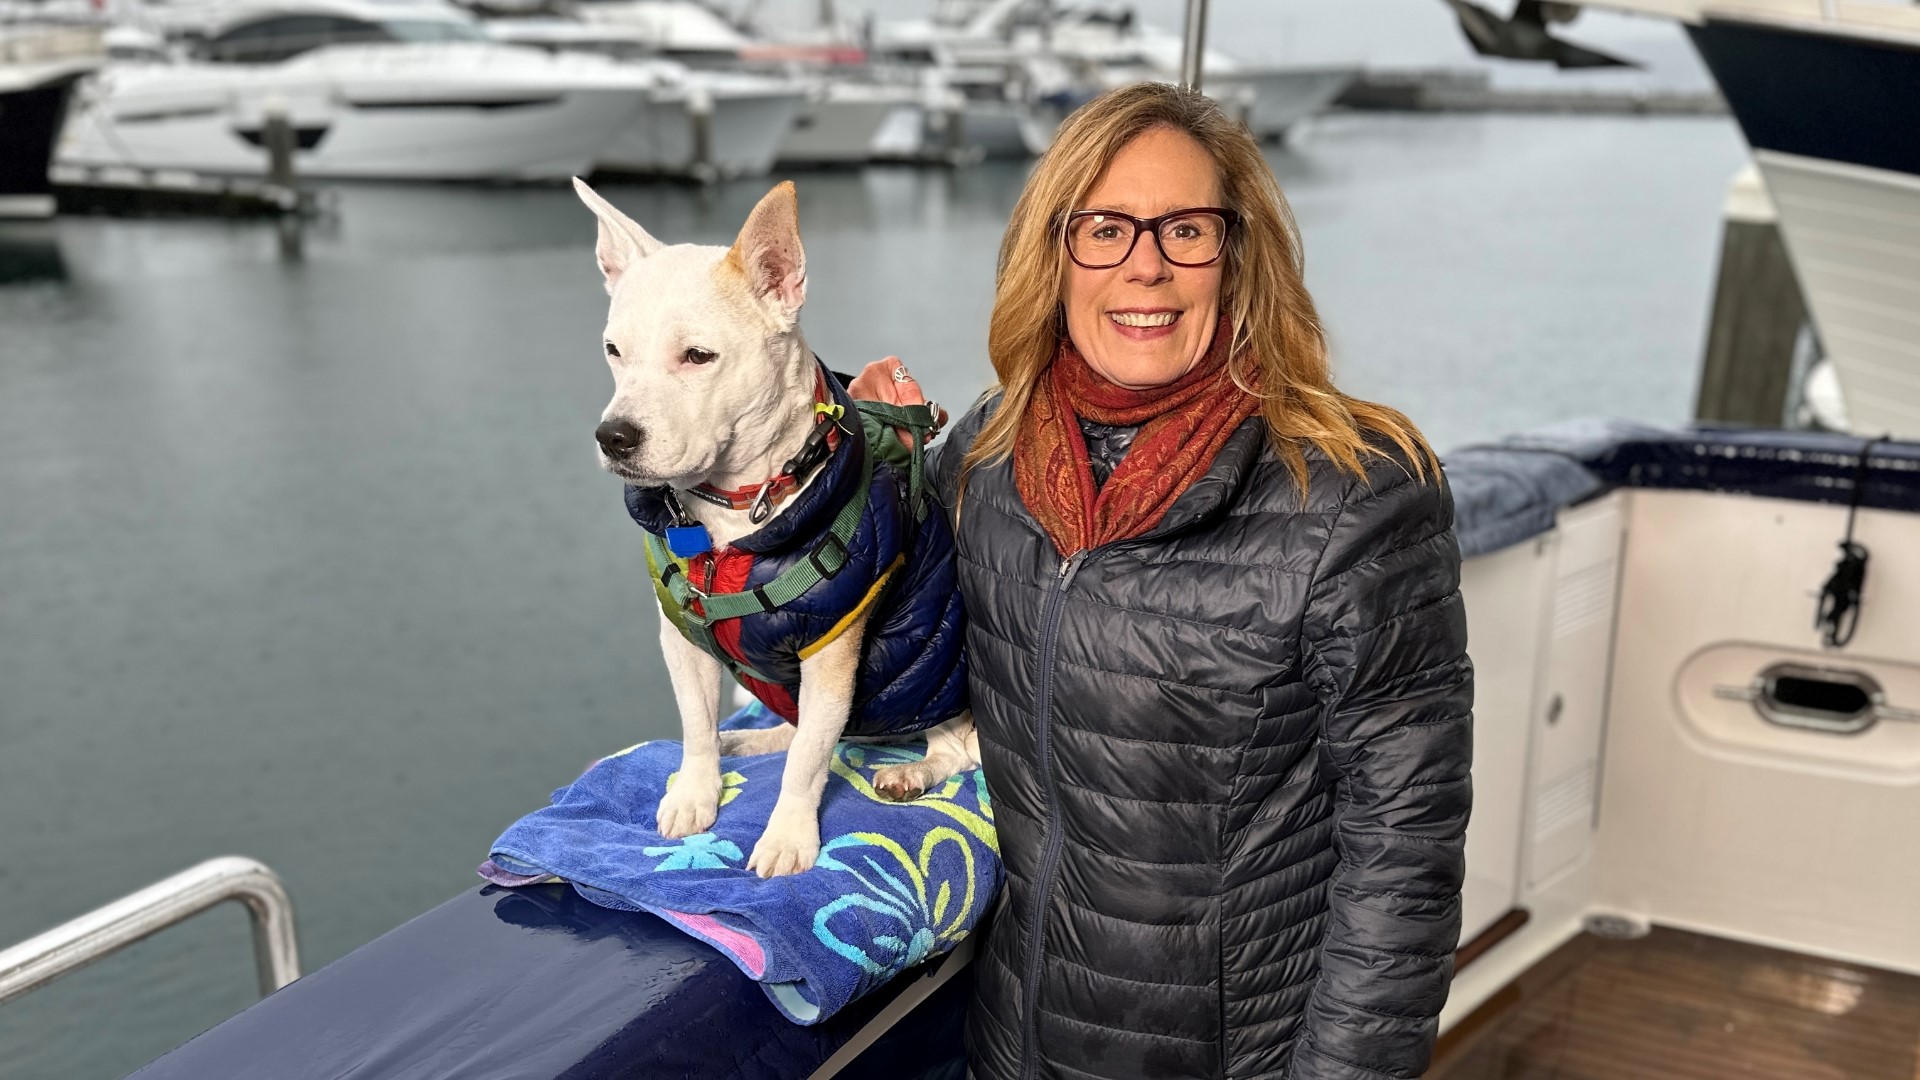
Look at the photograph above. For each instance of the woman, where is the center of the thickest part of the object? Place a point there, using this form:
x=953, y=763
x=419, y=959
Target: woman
x=1218, y=656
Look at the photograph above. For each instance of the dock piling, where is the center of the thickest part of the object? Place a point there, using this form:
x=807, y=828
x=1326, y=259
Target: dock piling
x=277, y=134
x=700, y=113
x=1758, y=311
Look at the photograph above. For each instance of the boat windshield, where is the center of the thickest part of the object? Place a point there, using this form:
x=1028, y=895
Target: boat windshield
x=280, y=37
x=431, y=30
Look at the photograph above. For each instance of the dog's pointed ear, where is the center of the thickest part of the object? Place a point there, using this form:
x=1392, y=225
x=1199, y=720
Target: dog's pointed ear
x=622, y=241
x=768, y=252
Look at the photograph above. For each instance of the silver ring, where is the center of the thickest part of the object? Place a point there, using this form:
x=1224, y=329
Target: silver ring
x=900, y=374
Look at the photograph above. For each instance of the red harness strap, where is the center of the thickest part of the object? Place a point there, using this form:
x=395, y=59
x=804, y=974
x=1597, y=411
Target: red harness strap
x=727, y=570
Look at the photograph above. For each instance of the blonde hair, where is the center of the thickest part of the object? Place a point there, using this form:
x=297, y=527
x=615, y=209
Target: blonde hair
x=1276, y=330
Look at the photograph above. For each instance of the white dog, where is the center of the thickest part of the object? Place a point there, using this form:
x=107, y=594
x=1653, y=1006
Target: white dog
x=714, y=389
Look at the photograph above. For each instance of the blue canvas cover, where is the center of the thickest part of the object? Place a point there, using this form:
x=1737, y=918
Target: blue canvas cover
x=1510, y=491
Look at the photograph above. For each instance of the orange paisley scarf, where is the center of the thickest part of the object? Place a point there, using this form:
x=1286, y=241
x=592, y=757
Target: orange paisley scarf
x=1182, y=426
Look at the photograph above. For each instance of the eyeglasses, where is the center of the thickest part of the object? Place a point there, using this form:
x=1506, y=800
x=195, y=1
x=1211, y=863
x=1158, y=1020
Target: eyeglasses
x=1103, y=239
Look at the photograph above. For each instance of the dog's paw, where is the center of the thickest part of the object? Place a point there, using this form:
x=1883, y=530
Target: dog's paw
x=903, y=783
x=688, y=808
x=785, y=848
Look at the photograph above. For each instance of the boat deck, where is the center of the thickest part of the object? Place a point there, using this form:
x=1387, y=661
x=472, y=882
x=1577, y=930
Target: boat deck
x=1682, y=1006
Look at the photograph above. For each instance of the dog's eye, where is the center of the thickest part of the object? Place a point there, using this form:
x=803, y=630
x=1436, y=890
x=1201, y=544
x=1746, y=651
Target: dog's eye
x=697, y=355
x=613, y=350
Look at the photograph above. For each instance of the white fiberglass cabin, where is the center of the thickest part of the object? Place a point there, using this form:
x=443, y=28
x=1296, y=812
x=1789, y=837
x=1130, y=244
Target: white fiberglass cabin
x=1665, y=738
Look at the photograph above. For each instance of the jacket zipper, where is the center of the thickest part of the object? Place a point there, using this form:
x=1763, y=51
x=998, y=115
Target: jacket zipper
x=1050, y=849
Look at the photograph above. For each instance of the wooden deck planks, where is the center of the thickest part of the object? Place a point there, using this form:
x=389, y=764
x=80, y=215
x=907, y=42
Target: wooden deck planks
x=1689, y=1007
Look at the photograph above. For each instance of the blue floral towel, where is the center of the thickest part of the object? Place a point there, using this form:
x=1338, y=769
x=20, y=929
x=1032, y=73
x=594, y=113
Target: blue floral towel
x=895, y=883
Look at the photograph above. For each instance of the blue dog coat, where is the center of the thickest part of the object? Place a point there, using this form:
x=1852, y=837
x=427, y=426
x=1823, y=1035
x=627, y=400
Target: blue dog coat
x=898, y=569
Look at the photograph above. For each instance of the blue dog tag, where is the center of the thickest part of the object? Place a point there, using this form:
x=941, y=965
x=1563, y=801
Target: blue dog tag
x=686, y=541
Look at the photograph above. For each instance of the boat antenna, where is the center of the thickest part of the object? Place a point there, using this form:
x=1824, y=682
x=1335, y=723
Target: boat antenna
x=1195, y=44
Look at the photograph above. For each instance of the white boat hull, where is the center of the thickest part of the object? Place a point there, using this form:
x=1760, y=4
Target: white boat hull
x=839, y=131
x=412, y=122
x=1002, y=129
x=745, y=132
x=1854, y=233
x=1280, y=97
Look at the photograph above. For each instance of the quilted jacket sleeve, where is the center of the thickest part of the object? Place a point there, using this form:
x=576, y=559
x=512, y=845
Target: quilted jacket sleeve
x=1385, y=640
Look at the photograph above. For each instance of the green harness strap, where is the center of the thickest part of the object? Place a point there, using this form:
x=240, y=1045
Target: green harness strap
x=878, y=421
x=678, y=594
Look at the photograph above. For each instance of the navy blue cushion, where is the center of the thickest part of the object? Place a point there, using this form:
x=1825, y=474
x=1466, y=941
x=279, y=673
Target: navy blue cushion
x=1811, y=466
x=1510, y=491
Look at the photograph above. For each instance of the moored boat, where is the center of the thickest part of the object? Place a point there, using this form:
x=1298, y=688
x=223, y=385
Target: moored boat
x=1823, y=93
x=39, y=68
x=372, y=91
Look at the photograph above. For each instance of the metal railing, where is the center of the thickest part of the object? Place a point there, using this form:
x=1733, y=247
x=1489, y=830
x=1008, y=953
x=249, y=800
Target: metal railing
x=276, y=953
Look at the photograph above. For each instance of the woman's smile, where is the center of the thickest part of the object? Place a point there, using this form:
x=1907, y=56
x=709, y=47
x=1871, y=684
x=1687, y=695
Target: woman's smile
x=1143, y=324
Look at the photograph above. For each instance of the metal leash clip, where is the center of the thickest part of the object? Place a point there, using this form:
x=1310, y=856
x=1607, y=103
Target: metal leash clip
x=762, y=507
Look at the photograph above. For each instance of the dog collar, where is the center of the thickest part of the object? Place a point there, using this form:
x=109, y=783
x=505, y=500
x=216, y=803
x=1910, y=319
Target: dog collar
x=759, y=499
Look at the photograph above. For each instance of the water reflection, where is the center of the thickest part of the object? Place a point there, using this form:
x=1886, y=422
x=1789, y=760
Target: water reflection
x=30, y=253
x=428, y=220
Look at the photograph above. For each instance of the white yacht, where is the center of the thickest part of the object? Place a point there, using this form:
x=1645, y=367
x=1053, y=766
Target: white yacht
x=704, y=123
x=39, y=66
x=847, y=121
x=835, y=117
x=1105, y=47
x=1118, y=48
x=678, y=29
x=1008, y=98
x=841, y=115
x=373, y=90
x=697, y=121
x=1825, y=93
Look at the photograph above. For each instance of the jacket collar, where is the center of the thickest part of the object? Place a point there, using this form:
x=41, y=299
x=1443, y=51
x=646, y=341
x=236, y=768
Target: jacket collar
x=804, y=516
x=1211, y=495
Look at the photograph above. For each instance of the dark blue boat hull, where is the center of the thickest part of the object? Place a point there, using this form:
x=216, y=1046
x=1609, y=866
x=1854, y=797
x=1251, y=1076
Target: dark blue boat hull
x=536, y=983
x=1837, y=97
x=30, y=121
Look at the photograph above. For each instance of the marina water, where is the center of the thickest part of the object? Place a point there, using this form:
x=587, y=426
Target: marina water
x=309, y=559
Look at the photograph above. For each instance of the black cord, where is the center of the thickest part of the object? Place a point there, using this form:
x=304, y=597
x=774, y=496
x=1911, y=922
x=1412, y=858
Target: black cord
x=1839, y=612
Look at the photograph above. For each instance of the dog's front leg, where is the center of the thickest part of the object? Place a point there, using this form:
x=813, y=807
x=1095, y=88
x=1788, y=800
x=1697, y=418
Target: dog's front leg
x=693, y=801
x=792, y=839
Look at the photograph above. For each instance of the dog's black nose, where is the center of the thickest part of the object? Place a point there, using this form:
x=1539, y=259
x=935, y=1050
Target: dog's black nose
x=617, y=438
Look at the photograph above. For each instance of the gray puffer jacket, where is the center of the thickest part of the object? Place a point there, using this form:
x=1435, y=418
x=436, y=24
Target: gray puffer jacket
x=1228, y=762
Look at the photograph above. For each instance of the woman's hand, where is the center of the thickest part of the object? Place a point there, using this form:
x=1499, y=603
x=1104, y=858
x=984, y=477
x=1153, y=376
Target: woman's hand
x=887, y=380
